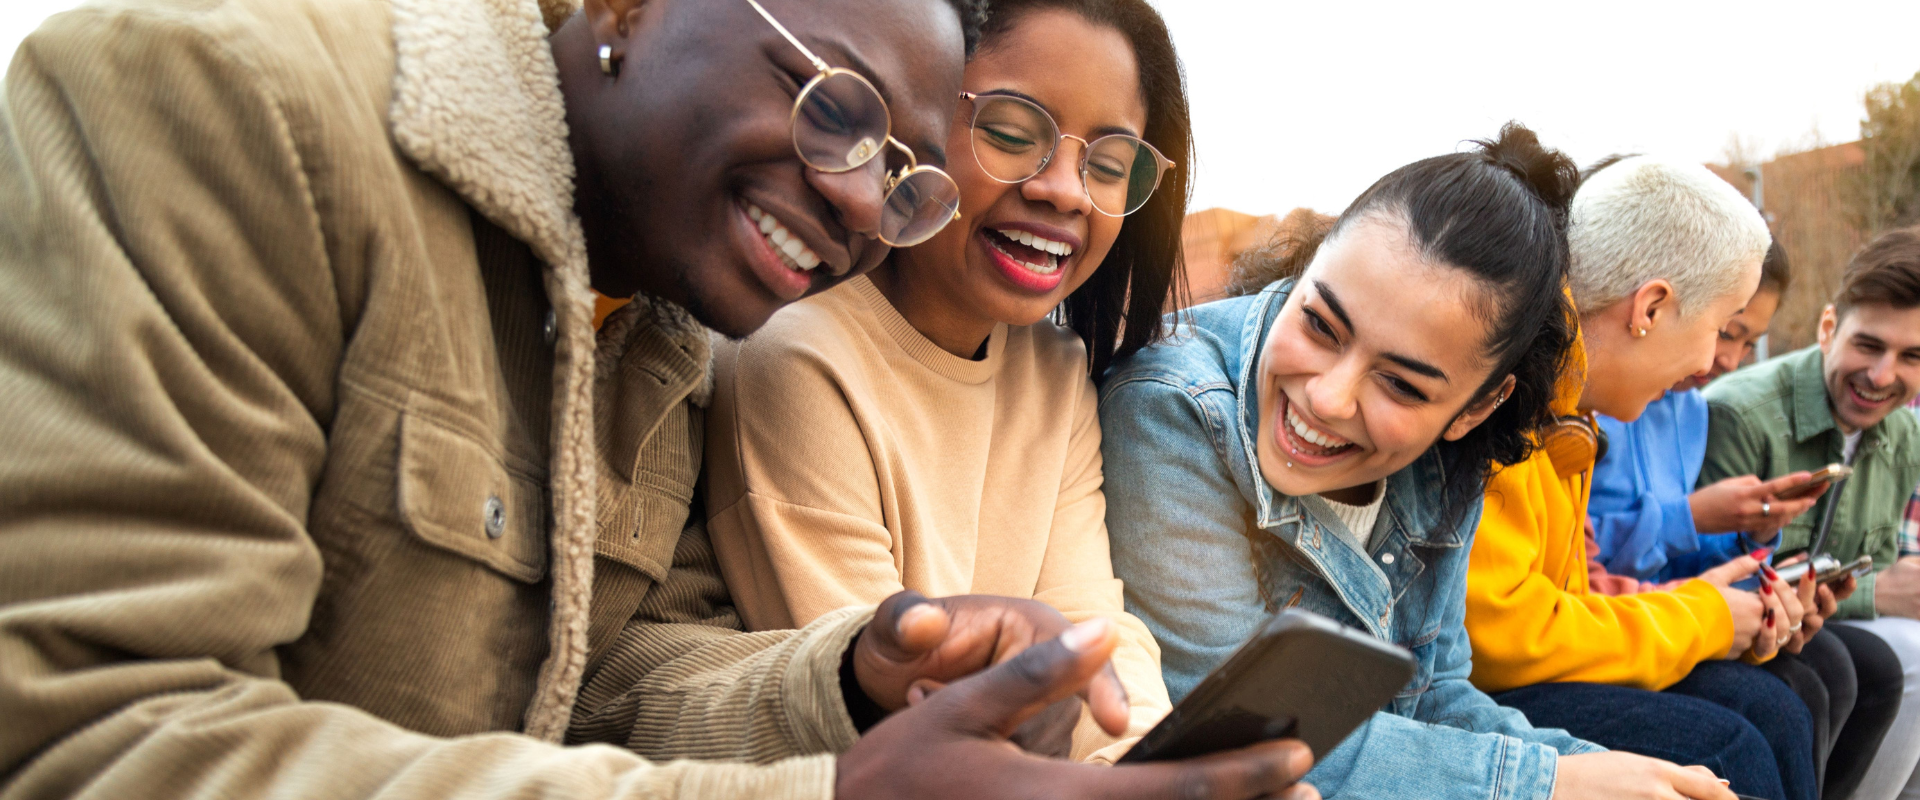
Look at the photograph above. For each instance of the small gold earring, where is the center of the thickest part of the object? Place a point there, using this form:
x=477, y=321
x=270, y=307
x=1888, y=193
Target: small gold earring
x=606, y=59
x=1639, y=333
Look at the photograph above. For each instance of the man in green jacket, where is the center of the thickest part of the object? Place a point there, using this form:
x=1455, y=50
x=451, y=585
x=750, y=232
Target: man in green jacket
x=1842, y=401
x=316, y=480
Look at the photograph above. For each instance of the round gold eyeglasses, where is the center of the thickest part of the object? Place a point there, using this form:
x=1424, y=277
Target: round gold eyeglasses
x=840, y=123
x=1014, y=140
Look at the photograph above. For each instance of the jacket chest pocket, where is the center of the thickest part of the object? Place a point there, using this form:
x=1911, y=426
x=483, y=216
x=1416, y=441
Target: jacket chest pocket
x=456, y=494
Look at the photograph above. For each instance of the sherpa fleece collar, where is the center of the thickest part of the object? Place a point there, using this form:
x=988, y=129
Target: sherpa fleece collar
x=477, y=105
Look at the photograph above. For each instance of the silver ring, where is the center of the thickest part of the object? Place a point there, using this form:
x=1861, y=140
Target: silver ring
x=1782, y=642
x=1796, y=626
x=1766, y=509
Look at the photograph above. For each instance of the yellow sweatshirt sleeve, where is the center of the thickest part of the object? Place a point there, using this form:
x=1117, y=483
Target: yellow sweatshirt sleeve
x=1532, y=619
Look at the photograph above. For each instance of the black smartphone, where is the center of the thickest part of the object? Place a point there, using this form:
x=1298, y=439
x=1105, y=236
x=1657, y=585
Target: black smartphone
x=1300, y=676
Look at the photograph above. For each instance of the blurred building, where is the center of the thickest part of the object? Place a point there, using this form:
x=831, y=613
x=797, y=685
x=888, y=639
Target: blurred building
x=1803, y=198
x=1212, y=239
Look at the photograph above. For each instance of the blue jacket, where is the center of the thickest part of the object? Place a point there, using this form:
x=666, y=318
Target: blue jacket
x=1208, y=551
x=1639, y=506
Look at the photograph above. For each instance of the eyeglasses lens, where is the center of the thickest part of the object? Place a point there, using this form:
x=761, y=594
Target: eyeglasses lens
x=918, y=207
x=1012, y=138
x=1120, y=174
x=840, y=122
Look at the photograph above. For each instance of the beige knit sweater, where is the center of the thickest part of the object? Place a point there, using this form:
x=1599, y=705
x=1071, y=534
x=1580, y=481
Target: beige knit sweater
x=850, y=457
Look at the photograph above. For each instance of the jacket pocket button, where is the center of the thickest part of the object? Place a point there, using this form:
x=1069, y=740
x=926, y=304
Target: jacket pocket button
x=496, y=517
x=1386, y=558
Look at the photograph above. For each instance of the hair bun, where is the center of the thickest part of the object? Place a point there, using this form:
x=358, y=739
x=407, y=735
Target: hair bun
x=1548, y=172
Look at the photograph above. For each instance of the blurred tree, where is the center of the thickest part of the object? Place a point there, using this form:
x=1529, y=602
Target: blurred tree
x=1885, y=192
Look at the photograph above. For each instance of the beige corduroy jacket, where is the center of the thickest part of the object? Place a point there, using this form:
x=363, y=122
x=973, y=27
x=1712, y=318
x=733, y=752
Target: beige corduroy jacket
x=303, y=491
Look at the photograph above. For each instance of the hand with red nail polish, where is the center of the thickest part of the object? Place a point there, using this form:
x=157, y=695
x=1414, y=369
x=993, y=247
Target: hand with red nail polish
x=1744, y=607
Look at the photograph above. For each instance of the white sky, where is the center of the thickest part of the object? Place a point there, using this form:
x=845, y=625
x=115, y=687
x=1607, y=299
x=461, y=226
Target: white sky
x=1306, y=102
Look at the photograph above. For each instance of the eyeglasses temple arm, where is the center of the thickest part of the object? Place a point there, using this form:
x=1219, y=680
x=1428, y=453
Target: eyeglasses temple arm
x=817, y=63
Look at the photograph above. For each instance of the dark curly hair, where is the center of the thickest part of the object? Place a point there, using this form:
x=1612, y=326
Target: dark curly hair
x=1500, y=213
x=1119, y=310
x=973, y=17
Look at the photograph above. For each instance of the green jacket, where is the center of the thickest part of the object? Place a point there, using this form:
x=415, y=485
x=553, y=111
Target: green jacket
x=1772, y=418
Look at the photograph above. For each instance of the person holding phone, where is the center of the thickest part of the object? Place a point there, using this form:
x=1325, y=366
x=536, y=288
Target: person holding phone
x=1322, y=444
x=318, y=482
x=932, y=426
x=1664, y=255
x=1651, y=526
x=1839, y=401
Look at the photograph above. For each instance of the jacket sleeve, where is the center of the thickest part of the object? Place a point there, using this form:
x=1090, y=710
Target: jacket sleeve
x=1527, y=628
x=1181, y=551
x=1641, y=539
x=169, y=326
x=1076, y=577
x=1639, y=523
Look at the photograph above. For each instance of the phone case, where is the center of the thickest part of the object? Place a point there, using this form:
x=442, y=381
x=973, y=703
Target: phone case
x=1302, y=675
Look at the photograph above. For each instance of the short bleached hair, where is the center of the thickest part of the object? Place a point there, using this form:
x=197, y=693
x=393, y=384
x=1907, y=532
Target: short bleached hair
x=1643, y=218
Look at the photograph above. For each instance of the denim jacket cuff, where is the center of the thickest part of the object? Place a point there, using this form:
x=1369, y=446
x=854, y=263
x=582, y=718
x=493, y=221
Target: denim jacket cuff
x=1526, y=771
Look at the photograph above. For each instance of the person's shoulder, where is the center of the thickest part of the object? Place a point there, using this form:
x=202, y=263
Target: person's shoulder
x=1900, y=432
x=1202, y=348
x=806, y=347
x=829, y=323
x=252, y=29
x=1768, y=383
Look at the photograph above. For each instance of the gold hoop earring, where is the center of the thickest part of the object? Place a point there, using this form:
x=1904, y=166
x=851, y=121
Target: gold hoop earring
x=607, y=64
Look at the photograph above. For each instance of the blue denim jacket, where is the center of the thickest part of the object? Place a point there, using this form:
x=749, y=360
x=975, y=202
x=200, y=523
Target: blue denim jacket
x=1208, y=551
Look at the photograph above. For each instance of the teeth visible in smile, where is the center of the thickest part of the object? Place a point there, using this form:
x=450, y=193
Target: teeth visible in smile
x=1040, y=243
x=1873, y=397
x=1312, y=436
x=1053, y=260
x=786, y=245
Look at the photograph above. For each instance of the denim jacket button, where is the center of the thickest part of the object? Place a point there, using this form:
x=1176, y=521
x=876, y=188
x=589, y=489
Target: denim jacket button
x=1386, y=558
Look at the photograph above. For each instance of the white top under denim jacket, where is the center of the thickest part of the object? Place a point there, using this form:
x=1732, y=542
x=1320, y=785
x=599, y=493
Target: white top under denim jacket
x=1208, y=550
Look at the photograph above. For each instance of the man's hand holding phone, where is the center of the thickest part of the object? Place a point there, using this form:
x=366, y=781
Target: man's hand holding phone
x=1746, y=503
x=997, y=663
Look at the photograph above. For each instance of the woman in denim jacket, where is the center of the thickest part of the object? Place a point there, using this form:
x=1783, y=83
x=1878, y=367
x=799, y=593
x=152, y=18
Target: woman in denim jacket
x=1319, y=445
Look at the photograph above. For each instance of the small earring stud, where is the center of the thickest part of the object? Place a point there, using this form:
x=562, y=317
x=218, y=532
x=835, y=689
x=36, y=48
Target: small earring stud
x=606, y=59
x=1639, y=333
x=1289, y=465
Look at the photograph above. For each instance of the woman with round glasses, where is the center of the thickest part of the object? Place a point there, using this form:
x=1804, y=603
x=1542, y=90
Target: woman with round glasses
x=932, y=426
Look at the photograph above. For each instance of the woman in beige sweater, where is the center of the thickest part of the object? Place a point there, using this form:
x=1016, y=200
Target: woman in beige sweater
x=933, y=426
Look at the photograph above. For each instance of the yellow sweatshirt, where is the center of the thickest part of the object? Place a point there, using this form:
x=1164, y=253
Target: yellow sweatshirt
x=1529, y=613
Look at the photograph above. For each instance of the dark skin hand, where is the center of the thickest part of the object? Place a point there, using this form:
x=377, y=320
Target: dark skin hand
x=954, y=743
x=694, y=124
x=930, y=643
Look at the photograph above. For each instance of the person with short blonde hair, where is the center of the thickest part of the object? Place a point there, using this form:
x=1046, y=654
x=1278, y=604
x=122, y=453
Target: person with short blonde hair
x=1664, y=254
